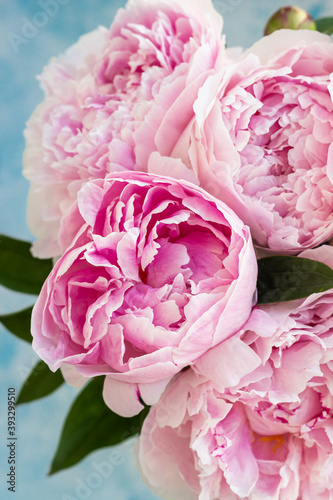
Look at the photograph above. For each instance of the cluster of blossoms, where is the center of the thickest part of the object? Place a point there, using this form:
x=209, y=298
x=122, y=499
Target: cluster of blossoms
x=160, y=162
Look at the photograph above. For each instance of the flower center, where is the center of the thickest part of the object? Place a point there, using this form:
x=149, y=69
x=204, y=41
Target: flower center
x=268, y=439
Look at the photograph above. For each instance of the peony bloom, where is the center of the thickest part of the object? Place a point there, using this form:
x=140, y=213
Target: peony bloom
x=254, y=417
x=97, y=93
x=152, y=275
x=259, y=136
x=200, y=444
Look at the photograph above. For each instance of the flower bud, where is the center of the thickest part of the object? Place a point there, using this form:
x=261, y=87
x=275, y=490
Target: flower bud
x=293, y=18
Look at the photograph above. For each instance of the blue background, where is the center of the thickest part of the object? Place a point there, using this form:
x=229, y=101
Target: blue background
x=21, y=59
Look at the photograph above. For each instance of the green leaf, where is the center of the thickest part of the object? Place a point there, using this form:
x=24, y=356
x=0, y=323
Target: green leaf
x=19, y=270
x=325, y=25
x=282, y=278
x=91, y=425
x=40, y=383
x=18, y=323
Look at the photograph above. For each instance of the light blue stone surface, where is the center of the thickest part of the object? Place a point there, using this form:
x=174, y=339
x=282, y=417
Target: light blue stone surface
x=39, y=423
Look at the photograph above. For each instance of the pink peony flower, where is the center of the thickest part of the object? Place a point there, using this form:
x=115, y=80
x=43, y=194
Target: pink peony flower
x=253, y=418
x=152, y=276
x=258, y=135
x=200, y=443
x=97, y=93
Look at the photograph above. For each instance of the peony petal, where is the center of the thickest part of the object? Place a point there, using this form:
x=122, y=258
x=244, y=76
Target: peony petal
x=121, y=397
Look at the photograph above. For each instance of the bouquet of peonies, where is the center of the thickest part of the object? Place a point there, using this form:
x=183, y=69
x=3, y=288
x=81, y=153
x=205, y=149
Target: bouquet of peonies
x=182, y=202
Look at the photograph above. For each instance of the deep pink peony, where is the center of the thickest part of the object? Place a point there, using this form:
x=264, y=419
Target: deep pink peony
x=154, y=273
x=254, y=417
x=97, y=93
x=258, y=135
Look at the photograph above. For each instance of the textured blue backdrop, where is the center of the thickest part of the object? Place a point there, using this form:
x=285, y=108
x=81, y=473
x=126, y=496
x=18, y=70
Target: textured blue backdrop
x=23, y=53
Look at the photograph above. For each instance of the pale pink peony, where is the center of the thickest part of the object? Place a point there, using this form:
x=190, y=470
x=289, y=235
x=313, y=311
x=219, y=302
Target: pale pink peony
x=152, y=276
x=97, y=93
x=198, y=443
x=258, y=135
x=253, y=418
